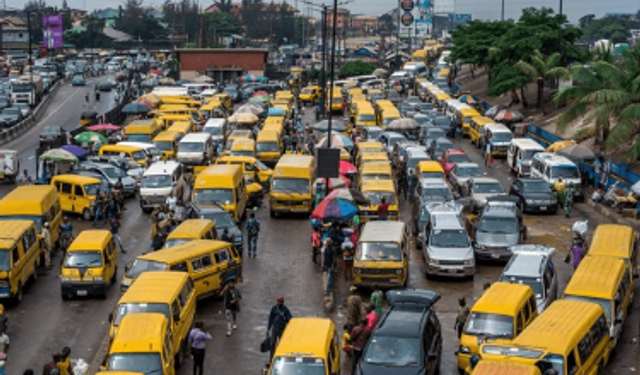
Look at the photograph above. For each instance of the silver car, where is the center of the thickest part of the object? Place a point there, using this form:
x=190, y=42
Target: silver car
x=112, y=174
x=447, y=249
x=532, y=265
x=499, y=227
x=481, y=188
x=461, y=173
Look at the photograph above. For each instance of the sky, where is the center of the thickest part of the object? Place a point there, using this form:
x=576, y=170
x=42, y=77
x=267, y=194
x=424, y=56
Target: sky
x=479, y=9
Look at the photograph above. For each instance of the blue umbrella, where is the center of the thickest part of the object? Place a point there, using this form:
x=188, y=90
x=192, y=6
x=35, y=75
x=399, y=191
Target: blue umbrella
x=323, y=126
x=251, y=78
x=77, y=151
x=135, y=108
x=469, y=99
x=334, y=209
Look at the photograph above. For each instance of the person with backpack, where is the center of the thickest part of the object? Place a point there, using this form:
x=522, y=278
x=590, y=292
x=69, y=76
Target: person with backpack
x=279, y=317
x=253, y=229
x=232, y=299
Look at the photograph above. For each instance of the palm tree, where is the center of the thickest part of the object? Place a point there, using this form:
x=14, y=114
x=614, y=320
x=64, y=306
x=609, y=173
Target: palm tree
x=606, y=93
x=540, y=69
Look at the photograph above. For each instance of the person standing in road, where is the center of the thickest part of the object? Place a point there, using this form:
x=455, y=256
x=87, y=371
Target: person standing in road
x=376, y=299
x=232, y=299
x=197, y=343
x=4, y=341
x=463, y=314
x=371, y=316
x=487, y=155
x=171, y=202
x=253, y=229
x=65, y=361
x=359, y=337
x=316, y=243
x=559, y=187
x=354, y=307
x=412, y=182
x=46, y=244
x=114, y=225
x=383, y=209
x=279, y=317
x=25, y=179
x=347, y=258
x=568, y=200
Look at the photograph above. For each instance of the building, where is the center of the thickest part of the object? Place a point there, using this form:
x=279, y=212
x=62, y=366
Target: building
x=343, y=20
x=221, y=63
x=108, y=14
x=15, y=33
x=77, y=14
x=363, y=25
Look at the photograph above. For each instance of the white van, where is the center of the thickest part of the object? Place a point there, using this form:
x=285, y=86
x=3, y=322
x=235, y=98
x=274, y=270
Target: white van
x=362, y=79
x=158, y=181
x=149, y=149
x=218, y=128
x=416, y=69
x=195, y=149
x=499, y=136
x=550, y=167
x=520, y=154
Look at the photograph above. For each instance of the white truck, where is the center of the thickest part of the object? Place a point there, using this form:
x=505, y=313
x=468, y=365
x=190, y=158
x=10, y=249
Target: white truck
x=9, y=165
x=27, y=89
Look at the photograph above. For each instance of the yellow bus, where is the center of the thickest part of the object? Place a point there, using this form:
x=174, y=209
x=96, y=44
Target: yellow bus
x=476, y=128
x=292, y=185
x=375, y=191
x=142, y=130
x=382, y=255
x=19, y=256
x=190, y=230
x=38, y=203
x=504, y=368
x=167, y=142
x=618, y=241
x=223, y=185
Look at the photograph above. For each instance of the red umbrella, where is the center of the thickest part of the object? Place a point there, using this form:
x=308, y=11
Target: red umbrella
x=157, y=72
x=347, y=168
x=334, y=183
x=101, y=127
x=146, y=102
x=260, y=93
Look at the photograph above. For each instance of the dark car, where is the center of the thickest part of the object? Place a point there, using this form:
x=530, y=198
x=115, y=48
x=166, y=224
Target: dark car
x=221, y=218
x=105, y=86
x=394, y=97
x=444, y=123
x=10, y=116
x=406, y=110
x=408, y=338
x=425, y=108
x=413, y=101
x=78, y=81
x=51, y=133
x=233, y=92
x=534, y=195
x=4, y=102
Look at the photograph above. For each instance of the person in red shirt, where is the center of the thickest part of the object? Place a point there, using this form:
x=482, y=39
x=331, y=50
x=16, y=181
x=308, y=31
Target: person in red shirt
x=383, y=209
x=316, y=243
x=372, y=317
x=359, y=337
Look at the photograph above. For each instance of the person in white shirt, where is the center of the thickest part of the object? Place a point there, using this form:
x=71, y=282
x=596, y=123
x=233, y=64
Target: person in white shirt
x=171, y=202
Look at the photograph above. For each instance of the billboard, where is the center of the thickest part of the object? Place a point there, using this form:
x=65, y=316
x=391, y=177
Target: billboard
x=52, y=31
x=444, y=6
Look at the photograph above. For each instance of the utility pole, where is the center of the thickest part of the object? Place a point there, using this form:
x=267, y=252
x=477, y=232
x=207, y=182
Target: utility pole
x=502, y=12
x=333, y=64
x=398, y=40
x=560, y=28
x=323, y=74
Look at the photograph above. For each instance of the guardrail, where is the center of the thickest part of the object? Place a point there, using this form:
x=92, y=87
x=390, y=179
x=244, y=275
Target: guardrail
x=20, y=128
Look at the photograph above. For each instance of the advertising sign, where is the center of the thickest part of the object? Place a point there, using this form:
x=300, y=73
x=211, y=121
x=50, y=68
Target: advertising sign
x=406, y=19
x=406, y=5
x=52, y=31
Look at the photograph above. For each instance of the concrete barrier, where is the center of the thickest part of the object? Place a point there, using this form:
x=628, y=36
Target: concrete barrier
x=22, y=127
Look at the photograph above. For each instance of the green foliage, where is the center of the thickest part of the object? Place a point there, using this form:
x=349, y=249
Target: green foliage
x=138, y=24
x=356, y=68
x=473, y=40
x=92, y=37
x=614, y=29
x=182, y=16
x=224, y=24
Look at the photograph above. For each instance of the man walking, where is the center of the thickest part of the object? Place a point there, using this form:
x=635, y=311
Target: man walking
x=197, y=344
x=279, y=317
x=412, y=181
x=359, y=337
x=253, y=229
x=568, y=199
x=232, y=298
x=354, y=307
x=46, y=244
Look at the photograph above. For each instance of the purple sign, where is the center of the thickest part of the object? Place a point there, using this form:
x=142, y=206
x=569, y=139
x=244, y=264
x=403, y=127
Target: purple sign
x=52, y=31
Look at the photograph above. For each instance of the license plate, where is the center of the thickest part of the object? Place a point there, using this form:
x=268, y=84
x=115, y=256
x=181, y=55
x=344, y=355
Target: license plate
x=495, y=256
x=452, y=270
x=543, y=208
x=394, y=281
x=81, y=293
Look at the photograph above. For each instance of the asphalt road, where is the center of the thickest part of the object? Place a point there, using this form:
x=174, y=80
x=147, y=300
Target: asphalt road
x=42, y=324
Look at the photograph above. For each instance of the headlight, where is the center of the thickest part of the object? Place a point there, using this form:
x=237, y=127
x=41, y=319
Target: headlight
x=469, y=262
x=434, y=261
x=239, y=239
x=305, y=203
x=64, y=279
x=97, y=278
x=357, y=270
x=464, y=350
x=126, y=282
x=481, y=247
x=399, y=272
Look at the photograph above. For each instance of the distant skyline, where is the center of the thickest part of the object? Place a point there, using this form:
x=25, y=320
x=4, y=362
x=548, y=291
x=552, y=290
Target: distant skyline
x=479, y=9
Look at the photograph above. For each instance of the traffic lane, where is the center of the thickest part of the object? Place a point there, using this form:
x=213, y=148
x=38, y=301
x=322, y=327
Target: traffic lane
x=283, y=267
x=43, y=323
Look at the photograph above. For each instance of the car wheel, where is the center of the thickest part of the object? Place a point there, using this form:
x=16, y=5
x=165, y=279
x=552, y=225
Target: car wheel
x=34, y=277
x=86, y=214
x=17, y=298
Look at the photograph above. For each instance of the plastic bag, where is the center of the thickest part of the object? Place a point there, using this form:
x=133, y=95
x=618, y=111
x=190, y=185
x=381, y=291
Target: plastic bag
x=81, y=367
x=580, y=227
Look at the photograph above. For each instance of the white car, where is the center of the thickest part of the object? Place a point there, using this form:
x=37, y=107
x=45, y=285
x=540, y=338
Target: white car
x=24, y=109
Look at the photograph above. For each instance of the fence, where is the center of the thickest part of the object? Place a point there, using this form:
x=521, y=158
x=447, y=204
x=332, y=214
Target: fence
x=20, y=128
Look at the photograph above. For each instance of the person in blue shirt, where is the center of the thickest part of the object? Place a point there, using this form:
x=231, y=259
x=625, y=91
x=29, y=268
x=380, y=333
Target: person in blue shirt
x=253, y=229
x=279, y=317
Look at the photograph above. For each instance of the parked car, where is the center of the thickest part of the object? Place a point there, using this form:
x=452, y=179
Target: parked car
x=105, y=86
x=4, y=102
x=438, y=147
x=24, y=109
x=532, y=265
x=221, y=218
x=112, y=174
x=408, y=337
x=534, y=195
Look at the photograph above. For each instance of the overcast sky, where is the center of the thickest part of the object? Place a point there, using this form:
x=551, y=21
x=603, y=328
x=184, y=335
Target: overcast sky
x=480, y=9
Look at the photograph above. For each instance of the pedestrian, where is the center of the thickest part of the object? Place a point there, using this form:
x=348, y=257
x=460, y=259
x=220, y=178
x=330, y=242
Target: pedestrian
x=463, y=314
x=377, y=298
x=488, y=158
x=346, y=345
x=253, y=230
x=279, y=317
x=232, y=299
x=559, y=187
x=329, y=264
x=197, y=343
x=25, y=179
x=226, y=237
x=87, y=98
x=383, y=209
x=359, y=337
x=568, y=200
x=114, y=225
x=412, y=182
x=98, y=208
x=171, y=202
x=354, y=307
x=50, y=366
x=64, y=366
x=316, y=243
x=347, y=258
x=371, y=316
x=46, y=244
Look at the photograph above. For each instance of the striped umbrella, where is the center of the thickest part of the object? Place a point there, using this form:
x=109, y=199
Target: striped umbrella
x=334, y=210
x=508, y=115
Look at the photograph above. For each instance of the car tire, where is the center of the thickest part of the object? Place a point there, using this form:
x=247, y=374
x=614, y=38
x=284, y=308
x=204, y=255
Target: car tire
x=65, y=297
x=86, y=214
x=17, y=298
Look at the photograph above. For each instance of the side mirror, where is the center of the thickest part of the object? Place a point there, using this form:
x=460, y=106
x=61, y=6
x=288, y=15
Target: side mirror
x=110, y=317
x=618, y=321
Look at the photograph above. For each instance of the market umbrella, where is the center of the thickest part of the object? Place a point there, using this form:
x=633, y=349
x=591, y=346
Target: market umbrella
x=244, y=118
x=167, y=81
x=88, y=137
x=181, y=82
x=491, y=112
x=250, y=108
x=58, y=154
x=323, y=126
x=403, y=124
x=335, y=210
x=156, y=72
x=351, y=195
x=347, y=168
x=203, y=79
x=578, y=152
x=260, y=99
x=557, y=146
x=146, y=101
x=260, y=93
x=380, y=72
x=469, y=99
x=337, y=140
x=335, y=182
x=250, y=78
x=77, y=151
x=508, y=115
x=135, y=108
x=103, y=127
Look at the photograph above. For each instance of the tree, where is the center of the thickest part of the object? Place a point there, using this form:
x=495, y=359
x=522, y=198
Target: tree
x=541, y=68
x=254, y=19
x=138, y=24
x=472, y=41
x=91, y=37
x=182, y=17
x=385, y=24
x=357, y=68
x=221, y=24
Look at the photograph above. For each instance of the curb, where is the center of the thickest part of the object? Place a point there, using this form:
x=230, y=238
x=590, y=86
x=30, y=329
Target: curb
x=613, y=216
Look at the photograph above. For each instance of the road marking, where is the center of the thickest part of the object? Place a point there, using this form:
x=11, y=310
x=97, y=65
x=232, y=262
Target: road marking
x=58, y=107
